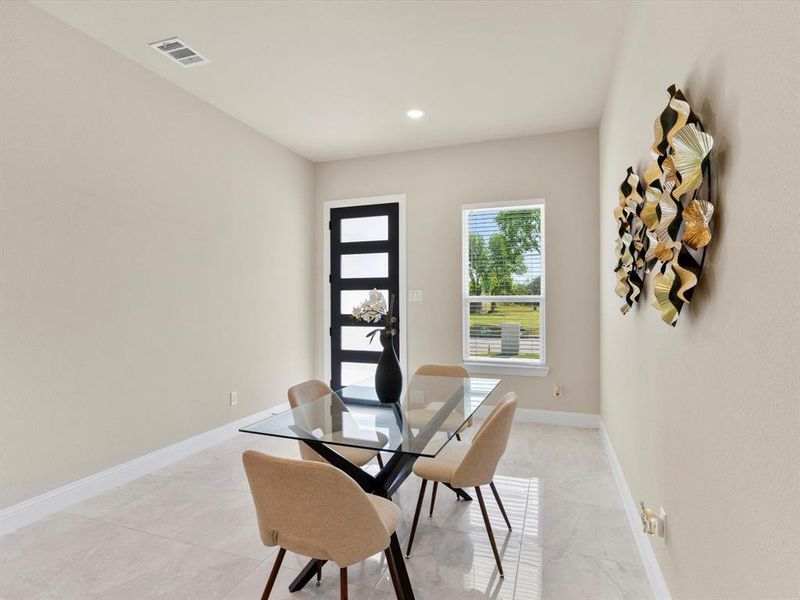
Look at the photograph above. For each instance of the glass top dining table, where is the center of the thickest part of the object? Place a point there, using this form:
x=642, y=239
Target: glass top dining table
x=354, y=417
x=408, y=429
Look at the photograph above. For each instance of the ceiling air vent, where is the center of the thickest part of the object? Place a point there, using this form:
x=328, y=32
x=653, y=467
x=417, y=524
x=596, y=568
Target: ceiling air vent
x=178, y=51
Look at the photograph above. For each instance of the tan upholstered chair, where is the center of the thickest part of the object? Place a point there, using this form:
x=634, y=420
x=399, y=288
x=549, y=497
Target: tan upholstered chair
x=464, y=464
x=417, y=418
x=313, y=509
x=314, y=389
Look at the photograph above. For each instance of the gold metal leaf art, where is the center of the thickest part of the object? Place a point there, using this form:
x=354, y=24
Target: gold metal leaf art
x=691, y=147
x=632, y=241
x=667, y=221
x=649, y=214
x=661, y=288
x=697, y=217
x=664, y=250
x=650, y=257
x=671, y=120
x=687, y=280
x=652, y=175
x=668, y=211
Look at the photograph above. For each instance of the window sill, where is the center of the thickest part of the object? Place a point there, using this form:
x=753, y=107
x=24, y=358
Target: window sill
x=492, y=368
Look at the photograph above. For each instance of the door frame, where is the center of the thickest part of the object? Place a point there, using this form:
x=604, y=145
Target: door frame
x=327, y=205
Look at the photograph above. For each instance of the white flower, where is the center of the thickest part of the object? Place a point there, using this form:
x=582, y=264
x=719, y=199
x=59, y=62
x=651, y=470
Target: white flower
x=372, y=309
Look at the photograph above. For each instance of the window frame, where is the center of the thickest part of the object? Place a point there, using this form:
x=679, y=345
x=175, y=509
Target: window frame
x=508, y=366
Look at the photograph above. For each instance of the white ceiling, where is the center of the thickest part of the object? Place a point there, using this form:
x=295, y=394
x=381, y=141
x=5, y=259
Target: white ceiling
x=333, y=79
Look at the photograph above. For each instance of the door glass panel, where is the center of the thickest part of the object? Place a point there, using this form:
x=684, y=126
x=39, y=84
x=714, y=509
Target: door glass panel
x=365, y=229
x=365, y=265
x=354, y=372
x=351, y=298
x=355, y=338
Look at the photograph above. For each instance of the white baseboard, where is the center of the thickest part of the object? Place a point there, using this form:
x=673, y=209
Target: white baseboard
x=33, y=509
x=550, y=417
x=654, y=575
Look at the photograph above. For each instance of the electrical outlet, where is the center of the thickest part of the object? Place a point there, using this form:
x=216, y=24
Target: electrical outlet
x=415, y=296
x=558, y=390
x=653, y=524
x=234, y=399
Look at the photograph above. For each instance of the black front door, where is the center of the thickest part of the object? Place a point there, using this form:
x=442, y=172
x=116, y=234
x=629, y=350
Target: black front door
x=365, y=255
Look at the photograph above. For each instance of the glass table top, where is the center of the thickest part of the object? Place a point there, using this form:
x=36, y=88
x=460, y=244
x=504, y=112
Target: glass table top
x=354, y=417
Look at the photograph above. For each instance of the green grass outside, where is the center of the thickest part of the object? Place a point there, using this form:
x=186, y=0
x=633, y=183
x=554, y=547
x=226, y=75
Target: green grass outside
x=524, y=314
x=498, y=355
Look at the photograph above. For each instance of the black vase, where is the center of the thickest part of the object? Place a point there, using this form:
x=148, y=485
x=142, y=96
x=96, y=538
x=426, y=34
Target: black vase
x=388, y=376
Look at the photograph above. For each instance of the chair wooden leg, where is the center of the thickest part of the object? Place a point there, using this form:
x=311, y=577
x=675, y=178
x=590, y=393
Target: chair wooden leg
x=380, y=460
x=433, y=497
x=500, y=504
x=489, y=531
x=343, y=583
x=398, y=592
x=416, y=516
x=319, y=572
x=403, y=582
x=273, y=574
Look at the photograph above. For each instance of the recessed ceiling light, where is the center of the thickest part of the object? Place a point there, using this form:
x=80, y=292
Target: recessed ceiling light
x=415, y=113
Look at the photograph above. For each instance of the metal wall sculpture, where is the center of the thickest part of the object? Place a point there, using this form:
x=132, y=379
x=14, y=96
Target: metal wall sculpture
x=664, y=225
x=632, y=242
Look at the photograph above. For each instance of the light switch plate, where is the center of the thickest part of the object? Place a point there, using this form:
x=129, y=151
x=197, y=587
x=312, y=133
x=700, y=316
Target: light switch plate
x=415, y=296
x=234, y=398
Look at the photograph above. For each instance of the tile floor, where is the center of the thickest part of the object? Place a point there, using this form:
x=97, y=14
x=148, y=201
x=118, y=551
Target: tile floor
x=188, y=532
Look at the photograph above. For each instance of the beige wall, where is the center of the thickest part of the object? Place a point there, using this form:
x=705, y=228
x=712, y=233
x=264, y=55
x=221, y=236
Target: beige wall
x=562, y=168
x=148, y=244
x=704, y=417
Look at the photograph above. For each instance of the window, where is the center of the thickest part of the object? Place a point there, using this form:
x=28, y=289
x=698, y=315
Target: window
x=503, y=285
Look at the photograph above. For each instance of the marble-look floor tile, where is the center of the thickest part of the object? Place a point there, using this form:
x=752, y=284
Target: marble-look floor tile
x=186, y=469
x=575, y=485
x=252, y=586
x=379, y=595
x=68, y=556
x=365, y=574
x=453, y=562
x=206, y=516
x=578, y=528
x=189, y=531
x=549, y=574
x=63, y=552
x=515, y=489
x=14, y=588
x=571, y=447
x=467, y=517
x=103, y=504
x=221, y=465
x=216, y=469
x=179, y=571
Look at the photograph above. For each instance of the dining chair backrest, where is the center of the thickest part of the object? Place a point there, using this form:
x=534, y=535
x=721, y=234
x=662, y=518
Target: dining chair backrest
x=313, y=509
x=302, y=394
x=445, y=371
x=487, y=448
x=442, y=371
